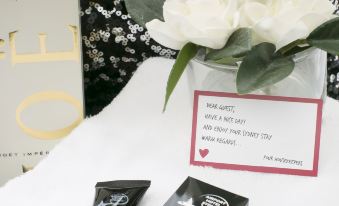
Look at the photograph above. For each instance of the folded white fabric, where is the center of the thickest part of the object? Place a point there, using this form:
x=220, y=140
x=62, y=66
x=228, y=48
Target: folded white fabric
x=133, y=139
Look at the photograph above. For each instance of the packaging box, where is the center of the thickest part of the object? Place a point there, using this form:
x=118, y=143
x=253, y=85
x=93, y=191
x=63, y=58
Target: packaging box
x=194, y=192
x=40, y=80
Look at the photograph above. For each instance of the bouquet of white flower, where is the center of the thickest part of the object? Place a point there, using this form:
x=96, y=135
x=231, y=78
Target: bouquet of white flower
x=261, y=36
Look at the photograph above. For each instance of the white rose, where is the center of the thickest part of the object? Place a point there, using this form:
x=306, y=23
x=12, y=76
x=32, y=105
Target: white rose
x=206, y=23
x=284, y=21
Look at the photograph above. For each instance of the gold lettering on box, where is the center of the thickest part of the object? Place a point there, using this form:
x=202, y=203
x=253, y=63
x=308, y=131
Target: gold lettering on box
x=49, y=96
x=26, y=168
x=43, y=55
x=2, y=54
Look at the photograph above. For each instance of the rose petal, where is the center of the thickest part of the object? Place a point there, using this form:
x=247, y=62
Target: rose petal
x=217, y=42
x=323, y=6
x=299, y=31
x=313, y=20
x=252, y=13
x=174, y=11
x=236, y=20
x=165, y=35
x=268, y=29
x=231, y=9
x=202, y=23
x=214, y=38
x=289, y=16
x=307, y=5
x=206, y=7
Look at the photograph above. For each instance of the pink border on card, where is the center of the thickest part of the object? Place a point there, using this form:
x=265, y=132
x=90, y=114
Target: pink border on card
x=313, y=172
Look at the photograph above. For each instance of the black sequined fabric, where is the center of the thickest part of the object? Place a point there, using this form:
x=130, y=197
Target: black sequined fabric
x=333, y=69
x=333, y=77
x=114, y=46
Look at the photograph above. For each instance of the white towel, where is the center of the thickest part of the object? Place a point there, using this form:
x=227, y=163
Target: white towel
x=133, y=139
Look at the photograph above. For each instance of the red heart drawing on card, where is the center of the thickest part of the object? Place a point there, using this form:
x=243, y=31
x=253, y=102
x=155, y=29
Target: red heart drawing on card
x=203, y=152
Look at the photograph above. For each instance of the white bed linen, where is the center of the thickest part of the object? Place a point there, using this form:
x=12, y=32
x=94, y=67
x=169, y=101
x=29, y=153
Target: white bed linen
x=133, y=139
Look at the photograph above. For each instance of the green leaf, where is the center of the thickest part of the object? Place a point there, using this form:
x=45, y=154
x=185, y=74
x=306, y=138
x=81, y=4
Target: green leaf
x=293, y=47
x=296, y=50
x=326, y=36
x=185, y=55
x=262, y=67
x=228, y=61
x=239, y=43
x=143, y=11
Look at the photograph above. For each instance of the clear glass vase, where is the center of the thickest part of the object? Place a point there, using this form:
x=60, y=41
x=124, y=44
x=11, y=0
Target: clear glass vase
x=308, y=80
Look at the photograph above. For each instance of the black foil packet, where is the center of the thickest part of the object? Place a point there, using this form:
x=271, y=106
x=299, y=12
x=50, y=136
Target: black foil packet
x=120, y=193
x=197, y=193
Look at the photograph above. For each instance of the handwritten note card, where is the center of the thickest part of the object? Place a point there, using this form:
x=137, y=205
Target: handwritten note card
x=256, y=133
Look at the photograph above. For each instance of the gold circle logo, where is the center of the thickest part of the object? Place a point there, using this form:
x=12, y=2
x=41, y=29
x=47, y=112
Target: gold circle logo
x=49, y=96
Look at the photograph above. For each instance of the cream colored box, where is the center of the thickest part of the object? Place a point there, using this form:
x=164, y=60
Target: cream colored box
x=40, y=80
